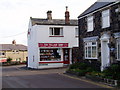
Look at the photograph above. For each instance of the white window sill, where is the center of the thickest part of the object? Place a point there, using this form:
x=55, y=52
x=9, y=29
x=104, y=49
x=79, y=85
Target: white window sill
x=91, y=58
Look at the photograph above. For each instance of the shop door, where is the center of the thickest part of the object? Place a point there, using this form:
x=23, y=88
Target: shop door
x=66, y=57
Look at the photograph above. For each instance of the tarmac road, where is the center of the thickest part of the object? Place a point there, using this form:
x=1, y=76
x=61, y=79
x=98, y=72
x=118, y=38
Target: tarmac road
x=19, y=77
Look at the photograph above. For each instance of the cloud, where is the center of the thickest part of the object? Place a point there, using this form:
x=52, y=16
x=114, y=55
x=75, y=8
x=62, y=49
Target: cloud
x=15, y=14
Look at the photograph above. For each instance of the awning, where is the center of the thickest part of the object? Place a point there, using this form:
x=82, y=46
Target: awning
x=88, y=39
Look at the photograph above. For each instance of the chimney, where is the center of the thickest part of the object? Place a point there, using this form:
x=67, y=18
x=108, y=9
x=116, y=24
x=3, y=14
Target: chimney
x=67, y=20
x=14, y=42
x=49, y=15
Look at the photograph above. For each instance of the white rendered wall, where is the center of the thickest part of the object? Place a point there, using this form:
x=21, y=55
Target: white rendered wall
x=68, y=33
x=40, y=34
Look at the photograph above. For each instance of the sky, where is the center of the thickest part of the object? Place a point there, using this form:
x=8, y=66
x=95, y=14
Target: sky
x=15, y=15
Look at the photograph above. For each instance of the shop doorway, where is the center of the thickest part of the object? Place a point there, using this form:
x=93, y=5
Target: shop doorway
x=66, y=54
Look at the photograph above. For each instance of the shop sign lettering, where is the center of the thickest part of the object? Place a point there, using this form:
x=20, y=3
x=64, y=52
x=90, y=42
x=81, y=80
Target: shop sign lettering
x=53, y=44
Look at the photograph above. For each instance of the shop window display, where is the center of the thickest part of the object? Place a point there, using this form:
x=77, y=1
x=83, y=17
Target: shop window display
x=50, y=54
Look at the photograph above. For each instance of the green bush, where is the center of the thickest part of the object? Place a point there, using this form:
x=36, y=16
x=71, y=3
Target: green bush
x=78, y=66
x=82, y=72
x=112, y=72
x=9, y=60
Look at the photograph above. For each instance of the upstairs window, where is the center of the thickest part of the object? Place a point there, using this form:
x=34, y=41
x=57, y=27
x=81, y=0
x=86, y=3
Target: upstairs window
x=106, y=18
x=76, y=32
x=2, y=53
x=56, y=31
x=90, y=23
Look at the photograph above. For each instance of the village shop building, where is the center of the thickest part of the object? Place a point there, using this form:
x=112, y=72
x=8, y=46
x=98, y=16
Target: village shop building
x=99, y=37
x=50, y=41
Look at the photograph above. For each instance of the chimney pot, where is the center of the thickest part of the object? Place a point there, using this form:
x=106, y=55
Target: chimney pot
x=67, y=20
x=14, y=42
x=49, y=15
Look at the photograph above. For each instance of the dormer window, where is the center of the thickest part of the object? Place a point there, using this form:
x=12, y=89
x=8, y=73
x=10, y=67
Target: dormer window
x=90, y=24
x=56, y=31
x=106, y=18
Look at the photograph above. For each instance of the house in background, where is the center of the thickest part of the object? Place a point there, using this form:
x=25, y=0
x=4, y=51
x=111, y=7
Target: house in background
x=17, y=52
x=50, y=41
x=99, y=33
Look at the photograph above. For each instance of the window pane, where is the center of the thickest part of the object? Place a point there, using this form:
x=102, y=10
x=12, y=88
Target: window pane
x=105, y=19
x=56, y=31
x=118, y=50
x=76, y=31
x=61, y=31
x=51, y=31
x=89, y=51
x=93, y=43
x=86, y=52
x=94, y=52
x=90, y=23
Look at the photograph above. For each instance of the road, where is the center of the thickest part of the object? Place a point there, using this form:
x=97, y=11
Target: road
x=19, y=77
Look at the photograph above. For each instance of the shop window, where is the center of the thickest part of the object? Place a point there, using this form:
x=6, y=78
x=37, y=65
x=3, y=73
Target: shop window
x=90, y=23
x=106, y=18
x=118, y=49
x=90, y=50
x=56, y=31
x=50, y=54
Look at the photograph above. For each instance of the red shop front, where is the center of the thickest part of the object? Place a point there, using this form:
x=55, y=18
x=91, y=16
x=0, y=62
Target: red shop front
x=54, y=54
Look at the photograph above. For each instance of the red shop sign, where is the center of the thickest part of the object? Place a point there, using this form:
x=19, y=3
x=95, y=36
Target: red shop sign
x=53, y=44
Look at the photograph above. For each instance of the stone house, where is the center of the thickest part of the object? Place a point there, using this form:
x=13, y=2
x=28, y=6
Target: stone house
x=99, y=33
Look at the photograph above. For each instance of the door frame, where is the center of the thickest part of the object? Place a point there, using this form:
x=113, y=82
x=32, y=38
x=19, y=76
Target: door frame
x=68, y=61
x=105, y=51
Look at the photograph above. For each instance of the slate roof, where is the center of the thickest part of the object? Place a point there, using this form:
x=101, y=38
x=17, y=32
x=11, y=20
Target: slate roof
x=97, y=5
x=41, y=21
x=8, y=47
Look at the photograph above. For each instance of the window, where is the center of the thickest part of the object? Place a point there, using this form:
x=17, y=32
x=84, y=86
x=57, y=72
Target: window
x=56, y=31
x=76, y=32
x=106, y=18
x=118, y=49
x=90, y=23
x=2, y=53
x=90, y=50
x=50, y=54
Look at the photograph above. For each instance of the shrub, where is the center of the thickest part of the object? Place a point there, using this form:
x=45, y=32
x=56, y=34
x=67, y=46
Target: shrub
x=112, y=72
x=9, y=60
x=78, y=66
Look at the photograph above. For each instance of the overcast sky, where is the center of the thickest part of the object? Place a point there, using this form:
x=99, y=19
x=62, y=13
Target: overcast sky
x=15, y=14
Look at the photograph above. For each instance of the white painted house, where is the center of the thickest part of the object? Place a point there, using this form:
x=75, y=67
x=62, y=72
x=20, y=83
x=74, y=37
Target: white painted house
x=50, y=41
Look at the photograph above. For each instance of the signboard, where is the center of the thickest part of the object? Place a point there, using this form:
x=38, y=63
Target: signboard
x=53, y=44
x=3, y=59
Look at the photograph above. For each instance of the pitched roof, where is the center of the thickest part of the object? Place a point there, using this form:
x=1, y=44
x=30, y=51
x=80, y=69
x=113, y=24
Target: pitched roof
x=97, y=5
x=40, y=21
x=7, y=47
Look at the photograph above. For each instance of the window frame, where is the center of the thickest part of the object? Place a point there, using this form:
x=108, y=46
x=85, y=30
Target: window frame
x=90, y=23
x=106, y=18
x=52, y=32
x=76, y=32
x=118, y=49
x=89, y=46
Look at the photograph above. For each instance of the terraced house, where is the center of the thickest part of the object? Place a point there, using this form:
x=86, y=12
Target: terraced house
x=99, y=30
x=17, y=52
